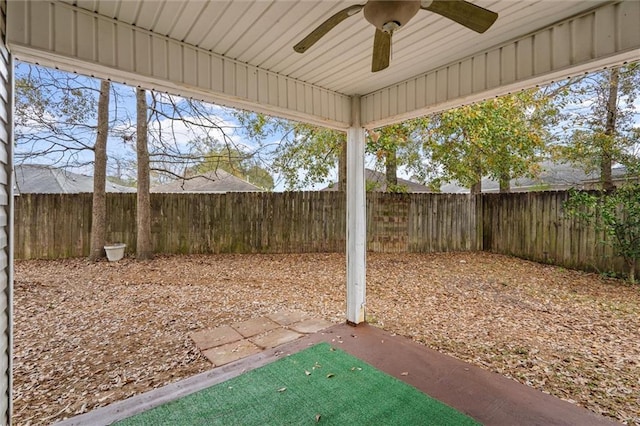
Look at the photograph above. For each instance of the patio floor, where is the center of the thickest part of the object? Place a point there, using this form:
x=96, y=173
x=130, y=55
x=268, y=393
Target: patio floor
x=228, y=343
x=488, y=397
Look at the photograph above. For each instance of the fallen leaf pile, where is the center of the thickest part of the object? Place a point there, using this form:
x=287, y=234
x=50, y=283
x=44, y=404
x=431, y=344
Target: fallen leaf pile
x=88, y=334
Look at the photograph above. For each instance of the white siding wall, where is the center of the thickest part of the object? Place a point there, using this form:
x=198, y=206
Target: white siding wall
x=603, y=37
x=6, y=203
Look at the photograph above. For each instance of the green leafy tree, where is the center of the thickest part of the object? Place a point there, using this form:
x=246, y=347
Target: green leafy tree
x=306, y=155
x=302, y=154
x=601, y=121
x=503, y=138
x=397, y=145
x=231, y=159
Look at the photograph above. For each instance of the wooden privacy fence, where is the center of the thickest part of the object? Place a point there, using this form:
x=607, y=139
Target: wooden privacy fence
x=54, y=226
x=528, y=225
x=533, y=225
x=421, y=222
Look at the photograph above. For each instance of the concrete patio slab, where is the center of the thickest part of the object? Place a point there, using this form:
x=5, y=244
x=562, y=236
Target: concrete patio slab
x=275, y=338
x=218, y=336
x=310, y=326
x=288, y=317
x=230, y=352
x=255, y=326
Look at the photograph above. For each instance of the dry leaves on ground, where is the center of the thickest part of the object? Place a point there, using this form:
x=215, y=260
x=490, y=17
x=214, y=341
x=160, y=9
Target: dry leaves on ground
x=88, y=334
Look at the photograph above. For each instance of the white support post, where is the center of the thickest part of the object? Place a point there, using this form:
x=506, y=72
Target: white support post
x=356, y=218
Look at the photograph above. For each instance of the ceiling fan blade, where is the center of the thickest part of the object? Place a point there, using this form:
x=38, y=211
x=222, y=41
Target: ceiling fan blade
x=464, y=13
x=325, y=27
x=381, y=51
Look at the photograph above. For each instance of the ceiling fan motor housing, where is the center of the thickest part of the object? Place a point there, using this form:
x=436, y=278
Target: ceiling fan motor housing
x=389, y=15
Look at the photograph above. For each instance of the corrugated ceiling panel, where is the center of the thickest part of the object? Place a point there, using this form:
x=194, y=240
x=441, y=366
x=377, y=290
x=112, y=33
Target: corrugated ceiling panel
x=169, y=63
x=128, y=11
x=256, y=39
x=166, y=18
x=233, y=12
x=293, y=25
x=207, y=20
x=235, y=36
x=189, y=15
x=628, y=17
x=150, y=11
x=262, y=32
x=263, y=48
x=89, y=5
x=108, y=8
x=247, y=34
x=431, y=41
x=512, y=66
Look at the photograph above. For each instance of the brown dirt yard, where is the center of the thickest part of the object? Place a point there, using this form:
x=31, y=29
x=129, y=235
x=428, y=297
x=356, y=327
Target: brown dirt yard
x=88, y=334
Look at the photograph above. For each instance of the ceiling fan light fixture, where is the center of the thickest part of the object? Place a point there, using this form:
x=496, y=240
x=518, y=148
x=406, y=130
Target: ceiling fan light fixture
x=380, y=12
x=390, y=27
x=388, y=16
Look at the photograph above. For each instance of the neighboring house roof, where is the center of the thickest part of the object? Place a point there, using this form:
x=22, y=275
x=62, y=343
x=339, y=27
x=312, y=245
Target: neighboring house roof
x=379, y=180
x=41, y=179
x=217, y=181
x=553, y=177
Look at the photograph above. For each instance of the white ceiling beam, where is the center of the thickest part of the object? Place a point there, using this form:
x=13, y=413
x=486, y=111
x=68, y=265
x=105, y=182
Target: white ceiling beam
x=72, y=39
x=606, y=36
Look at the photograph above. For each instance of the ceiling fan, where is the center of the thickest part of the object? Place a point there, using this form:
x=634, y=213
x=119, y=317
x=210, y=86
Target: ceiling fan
x=388, y=16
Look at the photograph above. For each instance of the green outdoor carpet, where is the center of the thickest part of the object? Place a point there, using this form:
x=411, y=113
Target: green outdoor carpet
x=319, y=385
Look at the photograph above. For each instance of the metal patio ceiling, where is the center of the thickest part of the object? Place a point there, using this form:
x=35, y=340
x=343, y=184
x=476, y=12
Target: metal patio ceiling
x=262, y=33
x=435, y=62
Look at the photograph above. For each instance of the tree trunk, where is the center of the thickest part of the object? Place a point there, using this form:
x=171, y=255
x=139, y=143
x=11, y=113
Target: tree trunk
x=342, y=167
x=609, y=131
x=476, y=188
x=633, y=266
x=99, y=205
x=143, y=209
x=391, y=167
x=505, y=185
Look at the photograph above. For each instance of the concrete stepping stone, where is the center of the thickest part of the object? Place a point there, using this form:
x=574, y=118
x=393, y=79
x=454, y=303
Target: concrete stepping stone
x=218, y=336
x=254, y=326
x=230, y=352
x=310, y=326
x=287, y=317
x=275, y=338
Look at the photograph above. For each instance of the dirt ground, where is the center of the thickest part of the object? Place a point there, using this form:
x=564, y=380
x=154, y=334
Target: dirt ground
x=88, y=334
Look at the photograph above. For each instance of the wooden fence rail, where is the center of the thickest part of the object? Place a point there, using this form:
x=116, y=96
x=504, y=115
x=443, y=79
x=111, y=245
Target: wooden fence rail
x=528, y=225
